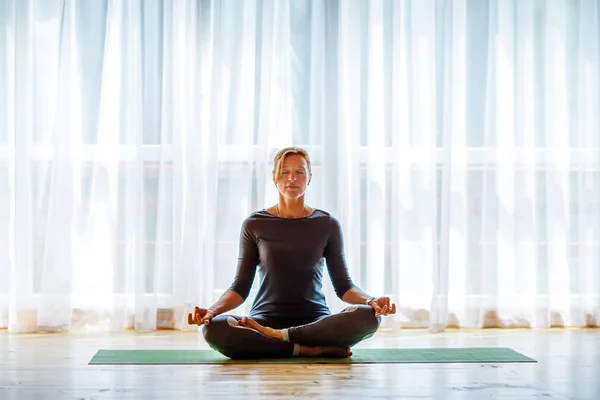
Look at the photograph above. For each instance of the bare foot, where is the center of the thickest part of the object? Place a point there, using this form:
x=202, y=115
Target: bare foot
x=305, y=351
x=324, y=351
x=270, y=332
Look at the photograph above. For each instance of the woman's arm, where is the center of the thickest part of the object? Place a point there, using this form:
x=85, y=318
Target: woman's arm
x=227, y=302
x=248, y=260
x=336, y=260
x=355, y=295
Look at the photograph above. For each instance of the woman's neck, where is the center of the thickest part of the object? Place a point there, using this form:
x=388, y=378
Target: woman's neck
x=291, y=209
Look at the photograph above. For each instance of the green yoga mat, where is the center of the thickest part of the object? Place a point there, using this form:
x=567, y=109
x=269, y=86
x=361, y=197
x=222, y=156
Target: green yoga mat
x=359, y=356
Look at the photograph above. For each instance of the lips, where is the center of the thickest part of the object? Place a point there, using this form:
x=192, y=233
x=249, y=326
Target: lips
x=292, y=187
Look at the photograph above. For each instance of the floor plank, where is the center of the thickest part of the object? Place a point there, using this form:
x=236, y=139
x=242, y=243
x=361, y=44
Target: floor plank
x=56, y=366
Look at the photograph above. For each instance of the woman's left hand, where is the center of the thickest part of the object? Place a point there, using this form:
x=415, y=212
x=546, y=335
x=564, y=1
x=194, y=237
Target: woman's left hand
x=383, y=306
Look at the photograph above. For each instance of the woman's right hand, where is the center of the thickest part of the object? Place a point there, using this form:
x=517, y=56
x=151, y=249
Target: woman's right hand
x=201, y=316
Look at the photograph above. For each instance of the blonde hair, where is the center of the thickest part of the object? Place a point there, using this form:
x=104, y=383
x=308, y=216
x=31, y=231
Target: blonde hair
x=280, y=156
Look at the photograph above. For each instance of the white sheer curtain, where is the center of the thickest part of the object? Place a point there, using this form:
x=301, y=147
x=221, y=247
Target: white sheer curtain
x=458, y=142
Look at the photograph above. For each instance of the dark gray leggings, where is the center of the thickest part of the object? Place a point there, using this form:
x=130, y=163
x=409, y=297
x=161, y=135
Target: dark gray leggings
x=345, y=329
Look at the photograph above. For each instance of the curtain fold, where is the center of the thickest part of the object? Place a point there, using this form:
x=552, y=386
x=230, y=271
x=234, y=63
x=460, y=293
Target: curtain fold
x=456, y=141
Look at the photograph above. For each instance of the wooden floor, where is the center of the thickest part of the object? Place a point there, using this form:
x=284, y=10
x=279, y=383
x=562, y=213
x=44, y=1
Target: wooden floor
x=55, y=366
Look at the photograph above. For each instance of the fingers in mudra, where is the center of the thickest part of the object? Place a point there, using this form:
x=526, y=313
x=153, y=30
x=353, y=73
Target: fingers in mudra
x=384, y=307
x=265, y=330
x=382, y=311
x=194, y=319
x=200, y=316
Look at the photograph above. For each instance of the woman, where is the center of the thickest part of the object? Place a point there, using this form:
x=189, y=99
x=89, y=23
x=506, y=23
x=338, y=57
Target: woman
x=289, y=242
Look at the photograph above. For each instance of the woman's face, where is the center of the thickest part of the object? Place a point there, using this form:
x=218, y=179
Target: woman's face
x=293, y=176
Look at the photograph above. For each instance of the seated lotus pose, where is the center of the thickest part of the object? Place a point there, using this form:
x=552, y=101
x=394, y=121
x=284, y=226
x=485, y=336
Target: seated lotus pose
x=290, y=243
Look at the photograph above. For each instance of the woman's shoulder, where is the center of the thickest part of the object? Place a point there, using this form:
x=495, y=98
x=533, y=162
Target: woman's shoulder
x=256, y=216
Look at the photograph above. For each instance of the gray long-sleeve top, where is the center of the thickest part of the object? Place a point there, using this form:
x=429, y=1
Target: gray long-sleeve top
x=290, y=255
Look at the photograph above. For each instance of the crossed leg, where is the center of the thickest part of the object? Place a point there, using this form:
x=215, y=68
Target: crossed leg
x=226, y=335
x=342, y=330
x=333, y=335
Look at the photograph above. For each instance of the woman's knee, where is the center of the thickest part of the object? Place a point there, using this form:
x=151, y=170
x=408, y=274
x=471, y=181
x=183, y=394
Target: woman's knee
x=211, y=331
x=374, y=321
x=220, y=336
x=369, y=323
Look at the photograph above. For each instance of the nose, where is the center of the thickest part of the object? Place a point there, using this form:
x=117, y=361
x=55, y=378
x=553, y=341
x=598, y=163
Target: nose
x=292, y=177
